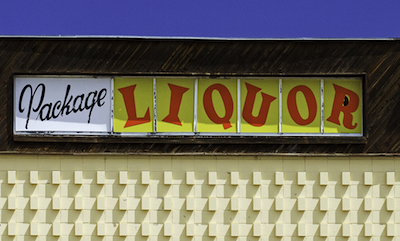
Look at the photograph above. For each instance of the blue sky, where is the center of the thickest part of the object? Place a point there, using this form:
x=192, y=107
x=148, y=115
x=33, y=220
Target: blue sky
x=206, y=18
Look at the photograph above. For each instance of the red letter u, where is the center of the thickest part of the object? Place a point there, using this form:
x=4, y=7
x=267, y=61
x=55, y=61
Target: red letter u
x=249, y=105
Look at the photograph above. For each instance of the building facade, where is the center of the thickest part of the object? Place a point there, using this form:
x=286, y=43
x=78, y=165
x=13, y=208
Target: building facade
x=218, y=178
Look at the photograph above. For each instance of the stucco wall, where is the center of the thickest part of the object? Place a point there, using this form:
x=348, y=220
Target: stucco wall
x=55, y=197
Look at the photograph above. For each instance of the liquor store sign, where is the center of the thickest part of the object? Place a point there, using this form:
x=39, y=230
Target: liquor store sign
x=165, y=106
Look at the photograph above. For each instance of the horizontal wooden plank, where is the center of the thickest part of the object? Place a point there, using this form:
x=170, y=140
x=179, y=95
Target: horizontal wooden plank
x=194, y=140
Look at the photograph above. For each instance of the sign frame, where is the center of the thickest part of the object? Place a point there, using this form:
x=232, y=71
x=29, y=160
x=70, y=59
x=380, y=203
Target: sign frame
x=204, y=137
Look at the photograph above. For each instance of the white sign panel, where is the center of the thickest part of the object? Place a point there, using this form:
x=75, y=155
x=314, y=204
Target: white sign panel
x=62, y=104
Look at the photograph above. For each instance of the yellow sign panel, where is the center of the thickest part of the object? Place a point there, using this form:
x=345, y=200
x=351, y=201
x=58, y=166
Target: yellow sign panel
x=260, y=105
x=343, y=112
x=217, y=105
x=301, y=106
x=175, y=105
x=133, y=105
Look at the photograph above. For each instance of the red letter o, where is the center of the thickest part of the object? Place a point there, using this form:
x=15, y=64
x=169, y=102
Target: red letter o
x=311, y=104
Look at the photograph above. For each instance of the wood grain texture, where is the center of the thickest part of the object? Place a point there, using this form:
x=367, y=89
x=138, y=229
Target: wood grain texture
x=379, y=60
